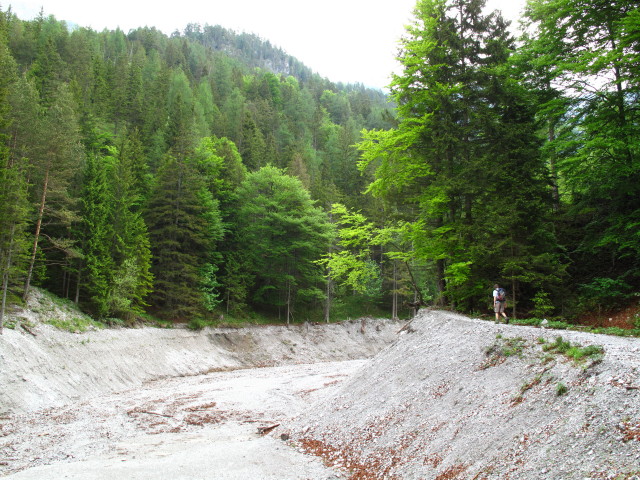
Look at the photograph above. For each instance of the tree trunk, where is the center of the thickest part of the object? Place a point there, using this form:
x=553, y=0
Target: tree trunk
x=553, y=170
x=5, y=278
x=45, y=185
x=513, y=298
x=416, y=291
x=440, y=280
x=77, y=296
x=327, y=305
x=66, y=279
x=288, y=304
x=394, y=302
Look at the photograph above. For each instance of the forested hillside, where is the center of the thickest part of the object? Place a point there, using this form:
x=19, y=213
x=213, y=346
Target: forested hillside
x=209, y=173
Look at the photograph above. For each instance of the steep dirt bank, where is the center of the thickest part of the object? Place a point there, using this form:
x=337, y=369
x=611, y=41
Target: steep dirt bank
x=467, y=399
x=49, y=367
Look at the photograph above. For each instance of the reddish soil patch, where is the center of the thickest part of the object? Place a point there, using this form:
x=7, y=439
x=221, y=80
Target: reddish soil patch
x=622, y=318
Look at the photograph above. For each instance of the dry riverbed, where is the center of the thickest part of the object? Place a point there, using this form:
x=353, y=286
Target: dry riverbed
x=206, y=426
x=441, y=397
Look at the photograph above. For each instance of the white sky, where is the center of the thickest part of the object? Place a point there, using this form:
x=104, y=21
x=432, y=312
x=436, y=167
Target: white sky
x=344, y=40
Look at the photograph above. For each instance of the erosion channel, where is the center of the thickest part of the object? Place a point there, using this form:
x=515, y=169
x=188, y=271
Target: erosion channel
x=441, y=397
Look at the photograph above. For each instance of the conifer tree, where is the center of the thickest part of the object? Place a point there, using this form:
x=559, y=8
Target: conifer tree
x=464, y=146
x=97, y=220
x=14, y=206
x=184, y=226
x=57, y=158
x=589, y=52
x=131, y=250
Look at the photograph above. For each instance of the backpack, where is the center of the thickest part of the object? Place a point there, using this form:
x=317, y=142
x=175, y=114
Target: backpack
x=501, y=295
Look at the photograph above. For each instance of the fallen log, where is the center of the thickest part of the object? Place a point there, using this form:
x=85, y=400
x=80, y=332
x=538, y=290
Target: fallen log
x=265, y=430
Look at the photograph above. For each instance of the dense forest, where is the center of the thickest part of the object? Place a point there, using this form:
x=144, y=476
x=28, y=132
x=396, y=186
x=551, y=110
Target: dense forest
x=208, y=174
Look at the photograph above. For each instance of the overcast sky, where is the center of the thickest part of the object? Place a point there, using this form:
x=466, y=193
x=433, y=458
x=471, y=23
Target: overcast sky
x=344, y=40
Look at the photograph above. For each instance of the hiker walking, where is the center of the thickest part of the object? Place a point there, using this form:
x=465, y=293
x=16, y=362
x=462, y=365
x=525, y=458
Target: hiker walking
x=500, y=303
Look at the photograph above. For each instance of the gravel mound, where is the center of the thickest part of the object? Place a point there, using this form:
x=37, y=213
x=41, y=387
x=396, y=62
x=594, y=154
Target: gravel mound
x=459, y=398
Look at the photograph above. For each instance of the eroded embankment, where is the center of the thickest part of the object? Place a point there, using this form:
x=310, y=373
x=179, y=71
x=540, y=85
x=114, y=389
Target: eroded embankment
x=467, y=399
x=49, y=367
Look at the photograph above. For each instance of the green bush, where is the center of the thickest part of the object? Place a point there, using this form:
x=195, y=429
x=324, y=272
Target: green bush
x=542, y=304
x=559, y=346
x=75, y=324
x=198, y=323
x=604, y=291
x=574, y=351
x=561, y=389
x=530, y=322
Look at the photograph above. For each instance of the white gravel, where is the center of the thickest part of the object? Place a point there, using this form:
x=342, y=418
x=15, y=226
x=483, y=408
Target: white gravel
x=442, y=404
x=155, y=403
x=182, y=428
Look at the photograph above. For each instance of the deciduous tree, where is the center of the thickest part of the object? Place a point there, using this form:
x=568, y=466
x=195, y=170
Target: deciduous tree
x=283, y=234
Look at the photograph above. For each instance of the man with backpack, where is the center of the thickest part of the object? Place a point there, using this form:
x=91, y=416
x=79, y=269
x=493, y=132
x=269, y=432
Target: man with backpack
x=500, y=303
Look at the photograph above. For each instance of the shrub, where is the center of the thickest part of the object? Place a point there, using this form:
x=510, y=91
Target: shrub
x=561, y=389
x=542, y=304
x=197, y=323
x=75, y=324
x=604, y=291
x=574, y=351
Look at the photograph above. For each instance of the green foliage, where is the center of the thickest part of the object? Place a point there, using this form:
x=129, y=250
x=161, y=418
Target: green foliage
x=97, y=226
x=509, y=163
x=542, y=304
x=348, y=306
x=512, y=346
x=282, y=235
x=563, y=325
x=209, y=286
x=501, y=349
x=605, y=293
x=351, y=266
x=116, y=253
x=574, y=351
x=184, y=227
x=77, y=324
x=463, y=161
x=198, y=323
x=561, y=389
x=593, y=131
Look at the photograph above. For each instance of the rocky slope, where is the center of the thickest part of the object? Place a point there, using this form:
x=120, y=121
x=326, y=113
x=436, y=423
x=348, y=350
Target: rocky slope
x=467, y=399
x=45, y=367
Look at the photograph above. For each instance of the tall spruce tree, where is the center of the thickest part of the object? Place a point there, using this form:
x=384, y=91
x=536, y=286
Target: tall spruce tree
x=589, y=52
x=131, y=249
x=14, y=205
x=97, y=220
x=184, y=226
x=464, y=145
x=58, y=157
